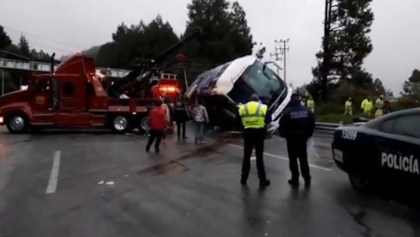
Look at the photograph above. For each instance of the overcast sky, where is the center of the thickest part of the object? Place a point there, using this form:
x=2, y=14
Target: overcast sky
x=72, y=25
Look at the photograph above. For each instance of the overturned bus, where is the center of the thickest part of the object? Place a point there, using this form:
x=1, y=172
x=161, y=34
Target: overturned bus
x=224, y=88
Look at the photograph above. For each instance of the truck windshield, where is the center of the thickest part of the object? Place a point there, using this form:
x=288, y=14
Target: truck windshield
x=258, y=79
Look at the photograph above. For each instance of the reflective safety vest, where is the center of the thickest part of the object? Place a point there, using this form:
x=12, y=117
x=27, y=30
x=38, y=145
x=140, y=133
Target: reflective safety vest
x=348, y=109
x=311, y=104
x=253, y=114
x=379, y=104
x=367, y=106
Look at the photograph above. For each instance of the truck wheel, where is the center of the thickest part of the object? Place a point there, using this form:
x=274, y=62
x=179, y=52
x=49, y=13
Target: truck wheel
x=17, y=123
x=144, y=124
x=121, y=124
x=359, y=183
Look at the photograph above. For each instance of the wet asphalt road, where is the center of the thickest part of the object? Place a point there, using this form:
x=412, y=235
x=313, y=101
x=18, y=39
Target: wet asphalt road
x=106, y=185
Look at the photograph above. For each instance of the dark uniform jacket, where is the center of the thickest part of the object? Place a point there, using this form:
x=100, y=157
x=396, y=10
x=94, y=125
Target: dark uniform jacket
x=297, y=122
x=181, y=113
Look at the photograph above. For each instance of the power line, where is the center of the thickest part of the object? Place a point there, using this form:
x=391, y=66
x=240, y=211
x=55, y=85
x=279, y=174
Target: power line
x=276, y=54
x=282, y=50
x=45, y=38
x=38, y=44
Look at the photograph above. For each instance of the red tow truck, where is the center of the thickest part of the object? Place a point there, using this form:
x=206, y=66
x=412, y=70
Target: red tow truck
x=74, y=97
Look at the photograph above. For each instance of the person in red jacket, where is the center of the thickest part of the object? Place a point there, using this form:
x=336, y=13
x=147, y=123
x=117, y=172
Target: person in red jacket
x=158, y=124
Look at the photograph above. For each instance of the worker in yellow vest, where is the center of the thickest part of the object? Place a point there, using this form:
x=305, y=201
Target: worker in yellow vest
x=379, y=104
x=348, y=107
x=311, y=104
x=254, y=118
x=367, y=106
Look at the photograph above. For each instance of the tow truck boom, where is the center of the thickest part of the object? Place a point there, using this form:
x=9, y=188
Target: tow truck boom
x=146, y=69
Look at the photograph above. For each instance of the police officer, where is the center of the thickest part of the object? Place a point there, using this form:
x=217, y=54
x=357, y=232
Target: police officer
x=297, y=125
x=254, y=118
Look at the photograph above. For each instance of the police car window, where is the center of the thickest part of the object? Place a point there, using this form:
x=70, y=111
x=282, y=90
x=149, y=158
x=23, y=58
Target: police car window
x=387, y=126
x=407, y=126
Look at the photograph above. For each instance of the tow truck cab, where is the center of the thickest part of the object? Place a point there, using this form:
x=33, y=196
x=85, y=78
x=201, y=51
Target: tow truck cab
x=73, y=96
x=167, y=86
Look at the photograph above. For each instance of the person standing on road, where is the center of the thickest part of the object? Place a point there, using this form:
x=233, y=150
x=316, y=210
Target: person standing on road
x=348, y=107
x=201, y=118
x=379, y=104
x=254, y=118
x=167, y=110
x=158, y=124
x=311, y=104
x=181, y=116
x=297, y=125
x=367, y=106
x=303, y=101
x=387, y=107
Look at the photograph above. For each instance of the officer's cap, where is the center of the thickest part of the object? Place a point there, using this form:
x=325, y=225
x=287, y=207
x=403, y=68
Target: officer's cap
x=254, y=97
x=295, y=95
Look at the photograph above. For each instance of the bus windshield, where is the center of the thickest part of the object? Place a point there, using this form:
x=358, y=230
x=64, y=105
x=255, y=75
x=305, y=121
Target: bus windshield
x=259, y=79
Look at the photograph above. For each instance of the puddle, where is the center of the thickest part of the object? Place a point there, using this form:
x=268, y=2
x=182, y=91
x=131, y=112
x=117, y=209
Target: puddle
x=172, y=167
x=175, y=166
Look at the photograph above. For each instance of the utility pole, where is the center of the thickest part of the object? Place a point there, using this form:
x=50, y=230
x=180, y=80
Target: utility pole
x=282, y=49
x=276, y=55
x=325, y=68
x=2, y=82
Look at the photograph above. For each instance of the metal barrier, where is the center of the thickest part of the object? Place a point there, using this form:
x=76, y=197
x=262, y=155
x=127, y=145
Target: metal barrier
x=324, y=128
x=328, y=128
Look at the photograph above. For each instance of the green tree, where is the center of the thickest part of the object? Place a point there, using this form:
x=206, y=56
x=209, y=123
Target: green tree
x=92, y=51
x=24, y=46
x=241, y=32
x=4, y=38
x=226, y=33
x=136, y=42
x=379, y=87
x=40, y=56
x=349, y=44
x=411, y=87
x=158, y=36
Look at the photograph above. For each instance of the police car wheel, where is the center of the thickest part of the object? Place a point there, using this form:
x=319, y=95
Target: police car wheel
x=359, y=183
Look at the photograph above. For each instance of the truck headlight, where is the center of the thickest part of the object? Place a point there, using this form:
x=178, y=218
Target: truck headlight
x=1, y=119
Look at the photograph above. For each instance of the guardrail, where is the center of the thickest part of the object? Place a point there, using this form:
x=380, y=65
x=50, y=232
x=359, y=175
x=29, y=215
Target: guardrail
x=327, y=128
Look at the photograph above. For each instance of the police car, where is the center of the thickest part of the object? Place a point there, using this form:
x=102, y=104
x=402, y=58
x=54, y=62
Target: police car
x=383, y=152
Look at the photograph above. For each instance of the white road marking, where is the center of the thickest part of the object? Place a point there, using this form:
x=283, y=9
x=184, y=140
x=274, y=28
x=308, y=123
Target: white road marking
x=52, y=183
x=281, y=157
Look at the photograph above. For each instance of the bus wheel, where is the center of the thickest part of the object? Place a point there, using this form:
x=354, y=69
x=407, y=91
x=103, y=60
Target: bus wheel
x=360, y=183
x=17, y=123
x=121, y=124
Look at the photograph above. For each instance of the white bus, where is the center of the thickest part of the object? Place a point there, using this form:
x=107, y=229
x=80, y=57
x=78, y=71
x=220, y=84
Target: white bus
x=224, y=88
